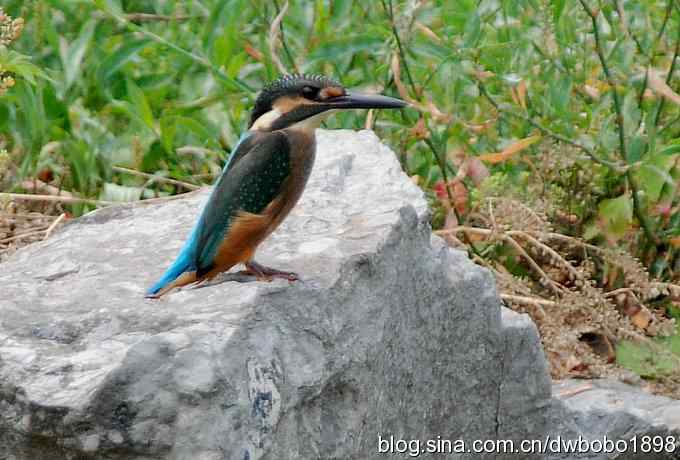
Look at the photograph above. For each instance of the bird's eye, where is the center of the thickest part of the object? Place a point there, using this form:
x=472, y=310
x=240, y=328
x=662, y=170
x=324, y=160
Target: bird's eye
x=309, y=92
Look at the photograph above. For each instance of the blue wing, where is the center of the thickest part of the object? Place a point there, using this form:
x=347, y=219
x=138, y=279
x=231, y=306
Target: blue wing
x=185, y=260
x=250, y=180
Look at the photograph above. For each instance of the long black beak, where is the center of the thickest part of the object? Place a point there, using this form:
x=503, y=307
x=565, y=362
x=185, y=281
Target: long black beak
x=348, y=101
x=365, y=101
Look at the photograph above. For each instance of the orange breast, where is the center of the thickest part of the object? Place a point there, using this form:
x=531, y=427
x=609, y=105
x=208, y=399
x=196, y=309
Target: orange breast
x=249, y=230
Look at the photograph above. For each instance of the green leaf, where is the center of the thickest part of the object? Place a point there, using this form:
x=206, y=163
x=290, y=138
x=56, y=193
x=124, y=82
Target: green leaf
x=636, y=148
x=153, y=157
x=669, y=150
x=193, y=126
x=652, y=177
x=616, y=216
x=119, y=58
x=560, y=95
x=647, y=360
x=591, y=231
x=345, y=47
x=19, y=64
x=4, y=116
x=558, y=8
x=674, y=312
x=473, y=31
x=212, y=28
x=140, y=104
x=168, y=129
x=110, y=5
x=631, y=113
x=223, y=32
x=83, y=166
x=73, y=56
x=32, y=119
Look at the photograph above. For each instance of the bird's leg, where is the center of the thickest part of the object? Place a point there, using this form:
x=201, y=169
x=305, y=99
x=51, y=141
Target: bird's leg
x=266, y=273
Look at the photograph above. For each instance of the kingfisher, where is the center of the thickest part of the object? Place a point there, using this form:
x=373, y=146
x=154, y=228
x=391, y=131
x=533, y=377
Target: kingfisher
x=263, y=179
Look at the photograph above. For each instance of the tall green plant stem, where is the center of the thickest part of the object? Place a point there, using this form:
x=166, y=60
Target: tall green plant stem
x=671, y=71
x=441, y=162
x=620, y=122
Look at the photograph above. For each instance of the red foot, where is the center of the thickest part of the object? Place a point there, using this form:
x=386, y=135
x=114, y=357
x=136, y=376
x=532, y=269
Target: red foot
x=263, y=273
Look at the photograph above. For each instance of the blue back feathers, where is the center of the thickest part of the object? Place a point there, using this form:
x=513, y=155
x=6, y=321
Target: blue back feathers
x=186, y=260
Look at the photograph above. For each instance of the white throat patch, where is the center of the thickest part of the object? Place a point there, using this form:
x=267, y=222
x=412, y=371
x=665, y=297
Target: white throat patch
x=311, y=123
x=266, y=120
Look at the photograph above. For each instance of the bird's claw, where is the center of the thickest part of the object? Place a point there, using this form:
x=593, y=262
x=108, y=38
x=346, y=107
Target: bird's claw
x=263, y=273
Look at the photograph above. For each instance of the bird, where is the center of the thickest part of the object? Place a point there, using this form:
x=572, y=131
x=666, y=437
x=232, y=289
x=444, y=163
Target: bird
x=262, y=179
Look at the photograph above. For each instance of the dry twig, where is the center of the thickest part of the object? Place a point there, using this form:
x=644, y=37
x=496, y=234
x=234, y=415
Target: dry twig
x=55, y=199
x=156, y=178
x=274, y=32
x=528, y=300
x=505, y=236
x=54, y=224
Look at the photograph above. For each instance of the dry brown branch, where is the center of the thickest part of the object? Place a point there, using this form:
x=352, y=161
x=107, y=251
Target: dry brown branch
x=544, y=279
x=616, y=292
x=669, y=289
x=427, y=107
x=526, y=208
x=53, y=225
x=528, y=300
x=161, y=199
x=20, y=217
x=274, y=32
x=659, y=86
x=36, y=185
x=156, y=178
x=504, y=236
x=569, y=239
x=21, y=236
x=55, y=199
x=554, y=254
x=574, y=391
x=370, y=118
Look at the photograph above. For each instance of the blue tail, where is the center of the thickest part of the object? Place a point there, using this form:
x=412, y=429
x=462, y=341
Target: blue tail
x=185, y=262
x=178, y=267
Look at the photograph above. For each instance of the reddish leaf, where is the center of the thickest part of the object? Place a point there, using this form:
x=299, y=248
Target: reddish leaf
x=510, y=150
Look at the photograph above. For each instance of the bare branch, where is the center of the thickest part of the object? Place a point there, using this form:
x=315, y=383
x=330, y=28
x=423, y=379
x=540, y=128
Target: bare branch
x=54, y=224
x=503, y=236
x=528, y=300
x=55, y=199
x=274, y=32
x=156, y=178
x=620, y=122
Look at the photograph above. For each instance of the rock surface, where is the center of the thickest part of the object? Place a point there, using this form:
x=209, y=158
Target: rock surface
x=389, y=336
x=595, y=409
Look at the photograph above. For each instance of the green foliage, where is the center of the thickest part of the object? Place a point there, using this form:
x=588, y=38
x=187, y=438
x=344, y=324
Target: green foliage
x=19, y=65
x=660, y=358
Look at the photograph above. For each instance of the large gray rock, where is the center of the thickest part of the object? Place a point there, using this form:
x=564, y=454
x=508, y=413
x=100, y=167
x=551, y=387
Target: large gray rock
x=390, y=336
x=646, y=426
x=387, y=335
